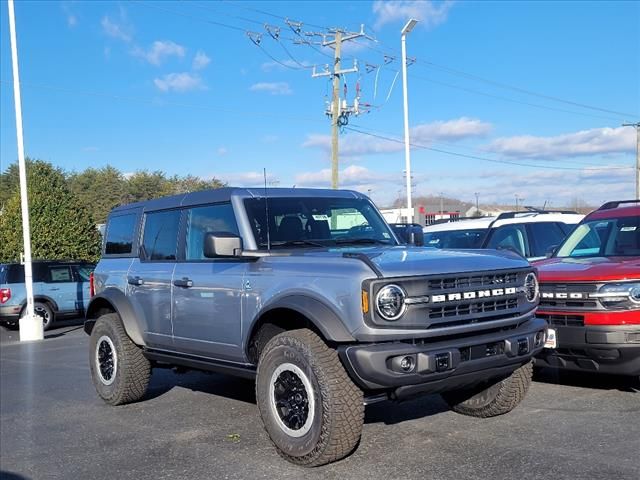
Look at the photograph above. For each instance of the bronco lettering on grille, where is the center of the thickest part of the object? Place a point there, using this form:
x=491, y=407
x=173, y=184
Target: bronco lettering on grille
x=495, y=292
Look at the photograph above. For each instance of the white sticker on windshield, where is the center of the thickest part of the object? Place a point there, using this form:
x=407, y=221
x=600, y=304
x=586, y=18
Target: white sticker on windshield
x=321, y=217
x=628, y=229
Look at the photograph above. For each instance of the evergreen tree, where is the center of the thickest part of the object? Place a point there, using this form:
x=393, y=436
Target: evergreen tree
x=61, y=228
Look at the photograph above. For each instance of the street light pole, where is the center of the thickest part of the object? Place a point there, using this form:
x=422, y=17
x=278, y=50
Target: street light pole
x=31, y=327
x=407, y=150
x=637, y=125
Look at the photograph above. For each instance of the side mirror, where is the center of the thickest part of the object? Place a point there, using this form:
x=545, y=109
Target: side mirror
x=551, y=250
x=222, y=244
x=415, y=236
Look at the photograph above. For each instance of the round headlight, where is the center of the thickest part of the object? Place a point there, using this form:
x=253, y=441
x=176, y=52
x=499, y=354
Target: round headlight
x=531, y=287
x=390, y=302
x=634, y=294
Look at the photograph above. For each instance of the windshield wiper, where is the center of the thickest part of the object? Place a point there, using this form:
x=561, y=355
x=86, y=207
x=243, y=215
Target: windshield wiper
x=376, y=241
x=297, y=243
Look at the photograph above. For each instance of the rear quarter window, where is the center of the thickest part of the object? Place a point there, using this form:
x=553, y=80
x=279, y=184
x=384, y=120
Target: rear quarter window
x=120, y=234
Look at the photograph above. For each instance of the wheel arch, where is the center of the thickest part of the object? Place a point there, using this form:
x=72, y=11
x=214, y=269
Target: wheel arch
x=42, y=299
x=298, y=311
x=113, y=300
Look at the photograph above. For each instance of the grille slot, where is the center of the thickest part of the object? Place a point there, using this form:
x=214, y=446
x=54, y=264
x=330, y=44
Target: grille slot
x=564, y=320
x=473, y=308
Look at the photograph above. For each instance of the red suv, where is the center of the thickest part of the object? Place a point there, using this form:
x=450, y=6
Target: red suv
x=590, y=293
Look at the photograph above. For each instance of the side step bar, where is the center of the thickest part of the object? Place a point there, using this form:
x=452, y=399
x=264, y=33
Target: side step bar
x=201, y=363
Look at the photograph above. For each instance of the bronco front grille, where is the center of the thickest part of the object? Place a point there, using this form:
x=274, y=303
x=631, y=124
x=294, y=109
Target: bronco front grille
x=568, y=296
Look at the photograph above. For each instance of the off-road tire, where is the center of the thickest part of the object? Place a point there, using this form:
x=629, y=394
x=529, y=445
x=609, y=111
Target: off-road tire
x=41, y=309
x=130, y=378
x=491, y=400
x=338, y=408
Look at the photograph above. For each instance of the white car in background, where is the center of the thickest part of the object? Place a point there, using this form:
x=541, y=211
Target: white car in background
x=531, y=233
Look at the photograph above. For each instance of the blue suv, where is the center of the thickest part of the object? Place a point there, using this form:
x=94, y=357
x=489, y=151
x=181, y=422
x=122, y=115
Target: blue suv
x=61, y=289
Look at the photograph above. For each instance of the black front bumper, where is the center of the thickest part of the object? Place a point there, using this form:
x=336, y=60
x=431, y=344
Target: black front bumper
x=604, y=349
x=445, y=364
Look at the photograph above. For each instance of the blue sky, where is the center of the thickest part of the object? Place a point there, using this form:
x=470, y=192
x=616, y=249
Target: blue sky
x=181, y=87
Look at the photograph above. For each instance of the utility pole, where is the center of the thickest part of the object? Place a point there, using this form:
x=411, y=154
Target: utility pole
x=339, y=111
x=477, y=204
x=637, y=125
x=31, y=327
x=441, y=204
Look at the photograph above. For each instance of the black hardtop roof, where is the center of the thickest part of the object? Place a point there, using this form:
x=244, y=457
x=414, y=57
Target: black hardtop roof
x=224, y=194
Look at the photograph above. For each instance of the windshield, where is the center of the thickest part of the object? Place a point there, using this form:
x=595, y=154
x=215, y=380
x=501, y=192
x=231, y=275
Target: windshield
x=319, y=222
x=455, y=238
x=604, y=238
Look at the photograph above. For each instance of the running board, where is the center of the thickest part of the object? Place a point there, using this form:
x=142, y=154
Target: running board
x=201, y=363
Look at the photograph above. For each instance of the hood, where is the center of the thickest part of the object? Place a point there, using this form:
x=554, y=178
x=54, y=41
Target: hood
x=593, y=269
x=407, y=261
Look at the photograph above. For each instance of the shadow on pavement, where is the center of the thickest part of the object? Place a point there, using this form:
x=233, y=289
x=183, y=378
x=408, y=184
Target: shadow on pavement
x=391, y=413
x=243, y=390
x=163, y=380
x=55, y=333
x=4, y=475
x=587, y=380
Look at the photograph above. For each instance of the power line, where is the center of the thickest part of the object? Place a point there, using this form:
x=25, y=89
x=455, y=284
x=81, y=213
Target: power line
x=504, y=85
x=435, y=141
x=484, y=159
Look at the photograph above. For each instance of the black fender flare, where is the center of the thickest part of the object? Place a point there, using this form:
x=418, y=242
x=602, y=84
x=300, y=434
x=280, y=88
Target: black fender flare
x=114, y=299
x=323, y=317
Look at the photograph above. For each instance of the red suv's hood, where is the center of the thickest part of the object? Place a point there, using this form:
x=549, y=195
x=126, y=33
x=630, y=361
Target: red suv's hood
x=588, y=269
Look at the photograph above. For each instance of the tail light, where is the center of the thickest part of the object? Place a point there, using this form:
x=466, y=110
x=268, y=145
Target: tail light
x=92, y=286
x=5, y=295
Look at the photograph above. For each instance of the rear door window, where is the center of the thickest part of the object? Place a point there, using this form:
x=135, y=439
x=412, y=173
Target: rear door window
x=160, y=240
x=120, y=233
x=60, y=274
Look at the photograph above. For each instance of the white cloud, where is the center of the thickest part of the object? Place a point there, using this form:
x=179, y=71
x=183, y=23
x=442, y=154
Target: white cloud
x=561, y=187
x=121, y=31
x=159, y=51
x=358, y=144
x=72, y=20
x=583, y=143
x=274, y=88
x=201, y=60
x=457, y=129
x=350, y=177
x=179, y=82
x=428, y=12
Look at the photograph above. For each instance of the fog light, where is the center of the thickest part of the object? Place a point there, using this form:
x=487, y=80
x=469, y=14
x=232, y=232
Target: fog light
x=523, y=346
x=539, y=341
x=407, y=363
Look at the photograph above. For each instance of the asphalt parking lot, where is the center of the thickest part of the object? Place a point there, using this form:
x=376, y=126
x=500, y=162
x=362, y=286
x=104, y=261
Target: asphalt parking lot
x=206, y=426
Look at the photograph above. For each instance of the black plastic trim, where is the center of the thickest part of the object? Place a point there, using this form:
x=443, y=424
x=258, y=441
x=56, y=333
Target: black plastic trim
x=202, y=363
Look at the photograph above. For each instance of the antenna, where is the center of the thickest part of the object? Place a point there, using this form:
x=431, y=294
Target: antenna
x=266, y=210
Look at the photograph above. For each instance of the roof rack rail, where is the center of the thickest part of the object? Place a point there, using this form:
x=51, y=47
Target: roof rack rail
x=529, y=211
x=616, y=204
x=538, y=210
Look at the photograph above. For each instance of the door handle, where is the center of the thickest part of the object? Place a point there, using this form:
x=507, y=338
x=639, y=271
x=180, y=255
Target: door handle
x=183, y=282
x=135, y=281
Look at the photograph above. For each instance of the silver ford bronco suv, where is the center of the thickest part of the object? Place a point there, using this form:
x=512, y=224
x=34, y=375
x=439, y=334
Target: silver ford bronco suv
x=309, y=293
